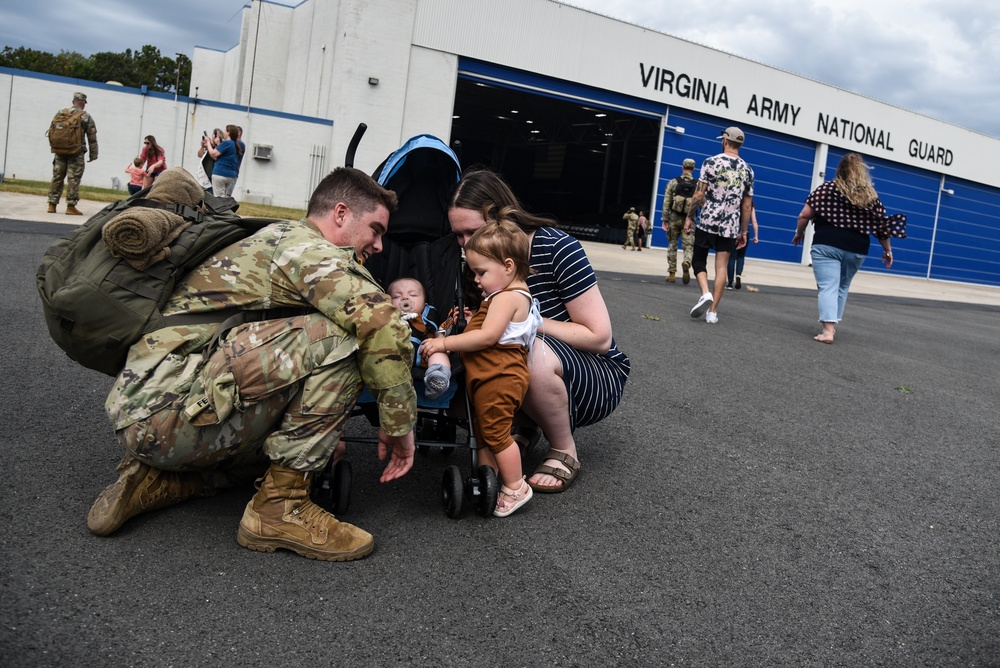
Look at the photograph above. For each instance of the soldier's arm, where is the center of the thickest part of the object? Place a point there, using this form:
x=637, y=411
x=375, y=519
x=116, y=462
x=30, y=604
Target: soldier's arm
x=91, y=138
x=668, y=200
x=385, y=356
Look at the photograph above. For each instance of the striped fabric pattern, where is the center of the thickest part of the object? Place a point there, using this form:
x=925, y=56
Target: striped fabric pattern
x=562, y=273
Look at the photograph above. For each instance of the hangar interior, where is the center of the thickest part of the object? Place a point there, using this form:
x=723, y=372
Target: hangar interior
x=583, y=162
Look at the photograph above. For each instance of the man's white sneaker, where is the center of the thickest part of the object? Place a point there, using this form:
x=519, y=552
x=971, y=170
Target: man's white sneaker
x=703, y=305
x=711, y=317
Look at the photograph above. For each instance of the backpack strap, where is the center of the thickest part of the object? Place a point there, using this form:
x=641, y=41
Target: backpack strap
x=184, y=211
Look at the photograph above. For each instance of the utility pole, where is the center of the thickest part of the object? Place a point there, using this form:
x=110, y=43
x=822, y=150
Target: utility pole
x=177, y=83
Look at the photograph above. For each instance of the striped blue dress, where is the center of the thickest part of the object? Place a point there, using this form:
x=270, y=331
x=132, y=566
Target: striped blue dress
x=594, y=382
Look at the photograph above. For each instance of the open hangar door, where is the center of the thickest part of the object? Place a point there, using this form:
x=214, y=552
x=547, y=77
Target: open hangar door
x=567, y=151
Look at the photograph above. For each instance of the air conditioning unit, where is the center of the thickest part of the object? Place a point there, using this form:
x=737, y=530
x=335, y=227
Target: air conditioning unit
x=262, y=151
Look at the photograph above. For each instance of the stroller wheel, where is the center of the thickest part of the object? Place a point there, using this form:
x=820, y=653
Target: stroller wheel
x=488, y=489
x=451, y=491
x=341, y=488
x=322, y=489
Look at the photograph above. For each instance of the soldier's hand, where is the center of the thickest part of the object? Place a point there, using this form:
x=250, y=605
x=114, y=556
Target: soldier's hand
x=400, y=451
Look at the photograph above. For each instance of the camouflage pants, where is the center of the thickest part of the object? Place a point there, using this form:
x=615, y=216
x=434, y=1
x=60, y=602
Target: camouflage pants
x=70, y=169
x=630, y=235
x=277, y=389
x=675, y=229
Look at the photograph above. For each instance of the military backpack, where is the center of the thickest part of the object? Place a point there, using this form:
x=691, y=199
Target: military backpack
x=97, y=305
x=66, y=132
x=682, y=193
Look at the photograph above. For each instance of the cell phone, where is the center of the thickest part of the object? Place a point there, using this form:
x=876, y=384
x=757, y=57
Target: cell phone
x=204, y=133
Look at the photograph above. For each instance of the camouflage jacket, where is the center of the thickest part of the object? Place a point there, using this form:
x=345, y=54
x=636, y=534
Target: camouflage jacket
x=286, y=264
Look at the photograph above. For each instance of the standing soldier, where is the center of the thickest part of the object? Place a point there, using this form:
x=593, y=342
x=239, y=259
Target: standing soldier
x=676, y=199
x=632, y=218
x=69, y=165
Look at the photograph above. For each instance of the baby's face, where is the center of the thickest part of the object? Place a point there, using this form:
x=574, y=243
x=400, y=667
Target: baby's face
x=408, y=296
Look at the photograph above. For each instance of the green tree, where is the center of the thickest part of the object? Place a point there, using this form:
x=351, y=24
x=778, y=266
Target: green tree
x=146, y=67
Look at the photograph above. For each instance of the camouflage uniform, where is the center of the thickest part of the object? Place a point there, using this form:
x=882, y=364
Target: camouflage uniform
x=674, y=223
x=284, y=387
x=70, y=167
x=632, y=218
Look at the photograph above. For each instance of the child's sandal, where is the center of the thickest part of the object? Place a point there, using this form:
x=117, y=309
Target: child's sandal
x=510, y=500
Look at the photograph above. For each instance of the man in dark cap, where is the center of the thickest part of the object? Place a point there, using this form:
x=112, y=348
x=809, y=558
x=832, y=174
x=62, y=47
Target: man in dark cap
x=724, y=197
x=68, y=165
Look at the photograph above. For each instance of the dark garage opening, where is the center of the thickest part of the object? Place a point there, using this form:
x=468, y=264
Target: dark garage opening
x=580, y=163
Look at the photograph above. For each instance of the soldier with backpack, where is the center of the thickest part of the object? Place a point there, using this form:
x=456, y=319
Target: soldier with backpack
x=676, y=199
x=72, y=134
x=201, y=406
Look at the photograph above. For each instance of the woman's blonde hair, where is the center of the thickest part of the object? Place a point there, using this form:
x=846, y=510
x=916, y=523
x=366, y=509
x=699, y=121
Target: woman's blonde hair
x=854, y=181
x=500, y=238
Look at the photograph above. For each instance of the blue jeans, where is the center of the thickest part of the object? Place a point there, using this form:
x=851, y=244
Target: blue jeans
x=834, y=270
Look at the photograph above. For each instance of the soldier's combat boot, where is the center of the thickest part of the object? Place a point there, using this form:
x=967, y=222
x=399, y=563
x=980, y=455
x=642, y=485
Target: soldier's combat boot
x=71, y=210
x=280, y=515
x=139, y=489
x=52, y=208
x=671, y=277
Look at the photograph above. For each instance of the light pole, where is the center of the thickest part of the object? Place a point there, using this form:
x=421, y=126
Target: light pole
x=177, y=83
x=937, y=211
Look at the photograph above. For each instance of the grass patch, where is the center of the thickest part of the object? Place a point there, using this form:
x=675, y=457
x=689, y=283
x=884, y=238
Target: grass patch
x=41, y=188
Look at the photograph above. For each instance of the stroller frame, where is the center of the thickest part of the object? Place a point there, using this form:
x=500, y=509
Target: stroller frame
x=423, y=171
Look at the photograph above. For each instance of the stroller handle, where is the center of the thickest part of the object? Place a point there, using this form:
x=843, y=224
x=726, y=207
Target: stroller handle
x=352, y=148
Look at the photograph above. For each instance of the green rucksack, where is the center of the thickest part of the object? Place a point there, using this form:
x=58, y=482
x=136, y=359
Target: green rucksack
x=96, y=305
x=66, y=132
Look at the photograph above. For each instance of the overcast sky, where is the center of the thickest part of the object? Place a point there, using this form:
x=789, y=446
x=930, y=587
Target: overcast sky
x=938, y=58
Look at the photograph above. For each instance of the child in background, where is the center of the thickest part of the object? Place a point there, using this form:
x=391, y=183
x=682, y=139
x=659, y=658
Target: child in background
x=409, y=296
x=495, y=348
x=136, y=174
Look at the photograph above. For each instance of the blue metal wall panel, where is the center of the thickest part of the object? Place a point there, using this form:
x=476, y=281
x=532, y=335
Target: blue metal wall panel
x=967, y=244
x=782, y=168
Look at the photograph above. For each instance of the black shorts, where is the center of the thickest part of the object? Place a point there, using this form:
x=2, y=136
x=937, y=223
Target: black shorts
x=703, y=239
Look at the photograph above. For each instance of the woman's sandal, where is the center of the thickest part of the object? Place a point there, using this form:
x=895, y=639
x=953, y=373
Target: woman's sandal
x=567, y=477
x=509, y=500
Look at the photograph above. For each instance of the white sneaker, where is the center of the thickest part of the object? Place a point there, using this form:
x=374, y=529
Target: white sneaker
x=703, y=305
x=712, y=317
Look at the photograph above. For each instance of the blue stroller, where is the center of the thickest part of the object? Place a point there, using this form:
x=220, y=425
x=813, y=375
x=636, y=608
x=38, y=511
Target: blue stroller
x=419, y=244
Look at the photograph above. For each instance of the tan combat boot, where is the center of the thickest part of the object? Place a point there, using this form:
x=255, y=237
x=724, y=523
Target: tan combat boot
x=280, y=515
x=671, y=277
x=52, y=208
x=139, y=489
x=71, y=210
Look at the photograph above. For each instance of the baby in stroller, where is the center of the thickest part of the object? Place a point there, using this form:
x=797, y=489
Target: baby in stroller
x=410, y=297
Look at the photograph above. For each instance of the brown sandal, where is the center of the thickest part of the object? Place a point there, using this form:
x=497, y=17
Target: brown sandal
x=567, y=477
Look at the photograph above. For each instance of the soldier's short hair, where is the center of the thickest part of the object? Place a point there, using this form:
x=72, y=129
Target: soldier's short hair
x=360, y=192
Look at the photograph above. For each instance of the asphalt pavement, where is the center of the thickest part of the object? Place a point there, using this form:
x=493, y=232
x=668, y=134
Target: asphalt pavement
x=758, y=499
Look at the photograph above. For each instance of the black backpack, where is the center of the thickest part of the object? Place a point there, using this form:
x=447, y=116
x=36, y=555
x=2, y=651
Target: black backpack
x=682, y=193
x=96, y=305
